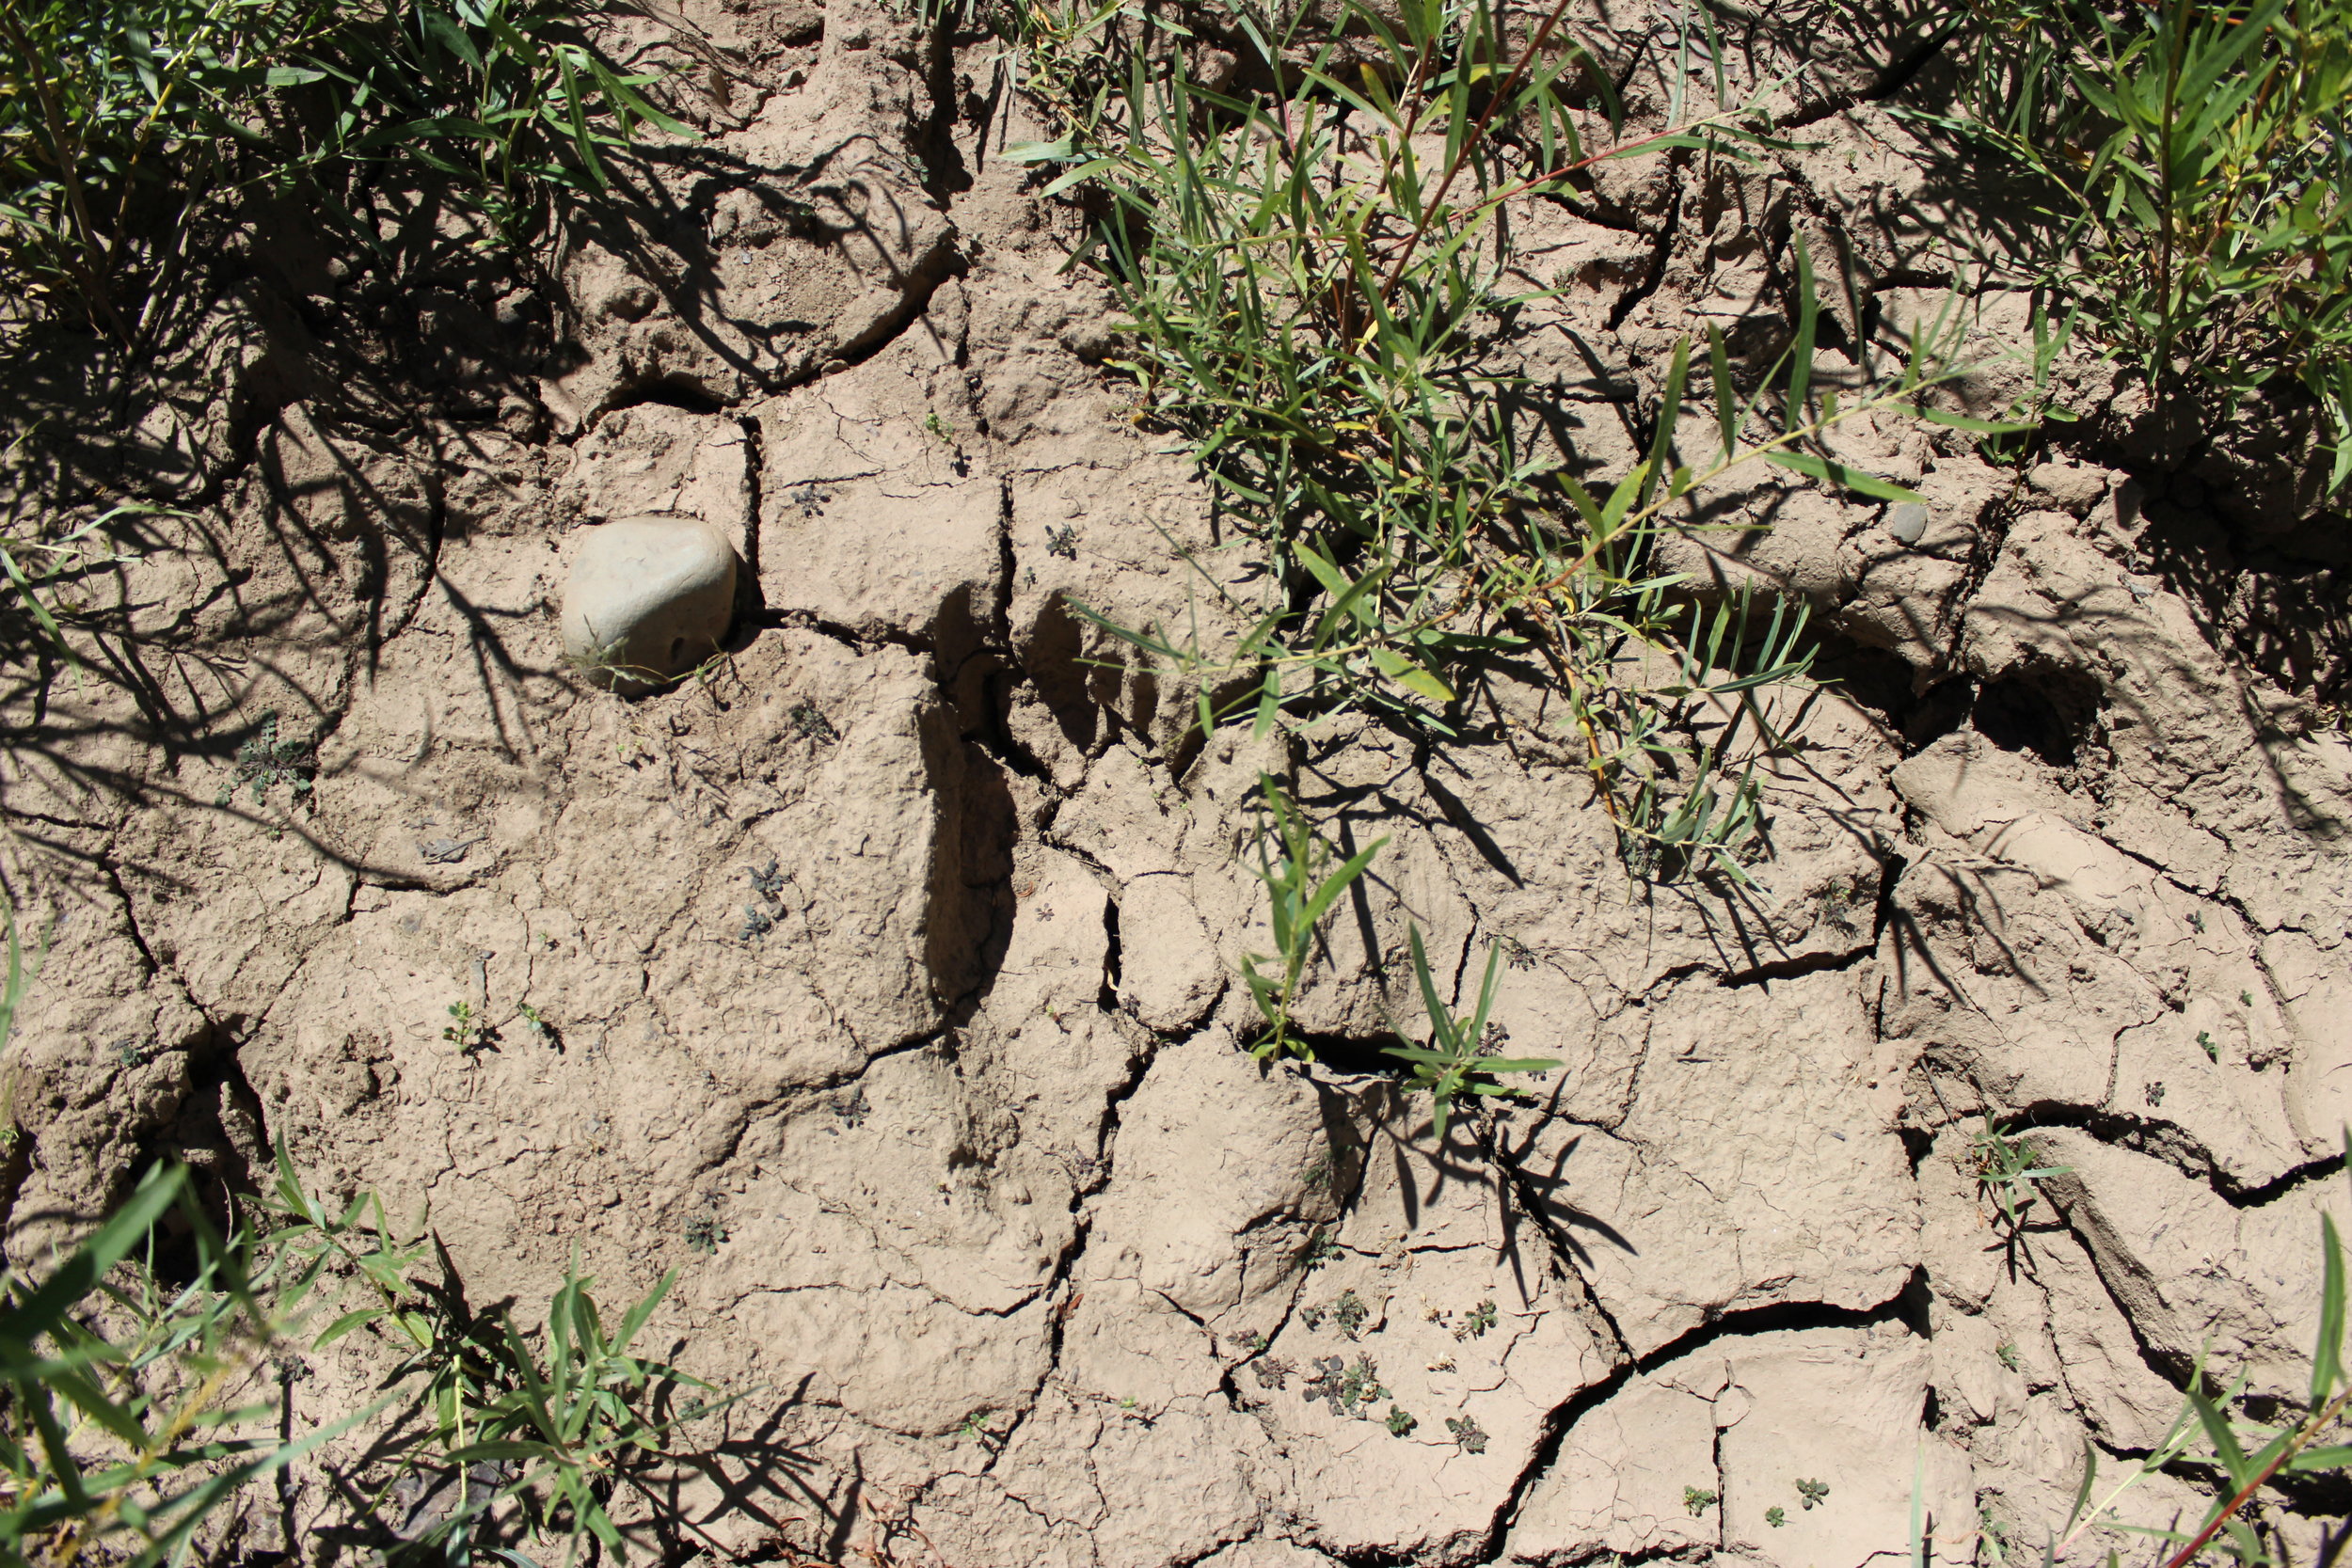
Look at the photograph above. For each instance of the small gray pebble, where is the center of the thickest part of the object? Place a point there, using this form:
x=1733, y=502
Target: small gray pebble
x=443, y=851
x=1907, y=521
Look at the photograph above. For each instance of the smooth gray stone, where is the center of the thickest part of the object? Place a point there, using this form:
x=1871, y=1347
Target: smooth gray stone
x=649, y=599
x=1907, y=521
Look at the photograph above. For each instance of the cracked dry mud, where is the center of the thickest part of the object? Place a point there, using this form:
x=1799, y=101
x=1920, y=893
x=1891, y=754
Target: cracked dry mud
x=903, y=944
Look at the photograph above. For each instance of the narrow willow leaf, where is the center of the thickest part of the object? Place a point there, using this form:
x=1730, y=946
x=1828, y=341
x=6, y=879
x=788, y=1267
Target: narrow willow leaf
x=1861, y=483
x=1801, y=354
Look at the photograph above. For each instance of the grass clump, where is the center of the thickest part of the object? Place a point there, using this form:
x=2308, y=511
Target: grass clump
x=2195, y=166
x=1314, y=279
x=572, y=1413
x=136, y=1410
x=1458, y=1060
x=124, y=124
x=1304, y=876
x=130, y=1411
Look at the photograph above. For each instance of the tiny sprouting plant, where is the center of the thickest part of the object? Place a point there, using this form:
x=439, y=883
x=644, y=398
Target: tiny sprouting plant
x=1399, y=1423
x=2245, y=999
x=1274, y=1373
x=705, y=1234
x=2006, y=1354
x=768, y=888
x=1322, y=1248
x=1697, y=1500
x=1061, y=539
x=811, y=500
x=1311, y=1315
x=1349, y=1312
x=2154, y=1093
x=1776, y=1516
x=264, y=760
x=940, y=428
x=2008, y=1169
x=1467, y=1433
x=1303, y=878
x=469, y=1032
x=1255, y=1342
x=1481, y=1319
x=536, y=1023
x=1454, y=1062
x=809, y=722
x=1810, y=1493
x=2205, y=1042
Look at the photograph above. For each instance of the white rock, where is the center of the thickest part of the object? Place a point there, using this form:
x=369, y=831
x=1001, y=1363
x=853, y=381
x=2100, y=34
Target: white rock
x=649, y=598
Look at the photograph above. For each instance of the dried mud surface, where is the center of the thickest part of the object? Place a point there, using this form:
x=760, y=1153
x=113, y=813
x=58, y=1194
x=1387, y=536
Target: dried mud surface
x=898, y=952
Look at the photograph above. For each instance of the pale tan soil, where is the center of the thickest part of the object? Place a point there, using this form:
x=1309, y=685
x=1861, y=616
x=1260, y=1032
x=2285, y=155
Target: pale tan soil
x=931, y=1004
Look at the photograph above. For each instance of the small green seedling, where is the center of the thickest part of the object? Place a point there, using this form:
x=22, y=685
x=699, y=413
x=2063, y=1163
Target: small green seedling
x=1399, y=1423
x=1322, y=1248
x=466, y=1032
x=264, y=760
x=1453, y=1062
x=1349, y=1313
x=809, y=722
x=705, y=1234
x=1301, y=885
x=1811, y=1491
x=536, y=1022
x=1775, y=1516
x=2006, y=1352
x=1697, y=1500
x=2204, y=1041
x=1467, y=1432
x=1481, y=1319
x=1061, y=540
x=2007, y=1169
x=940, y=428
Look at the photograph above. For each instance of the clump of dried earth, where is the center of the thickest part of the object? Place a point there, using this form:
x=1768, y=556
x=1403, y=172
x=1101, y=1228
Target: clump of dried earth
x=887, y=968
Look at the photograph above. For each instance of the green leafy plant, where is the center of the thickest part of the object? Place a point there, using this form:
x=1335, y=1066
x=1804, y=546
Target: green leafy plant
x=571, y=1408
x=265, y=759
x=2248, y=1455
x=1698, y=1500
x=2196, y=166
x=1304, y=876
x=131, y=1412
x=467, y=1032
x=125, y=122
x=45, y=575
x=1399, y=1422
x=1456, y=1061
x=1776, y=1516
x=1482, y=1318
x=15, y=981
x=1811, y=1492
x=1467, y=1433
x=2007, y=1169
x=1313, y=282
